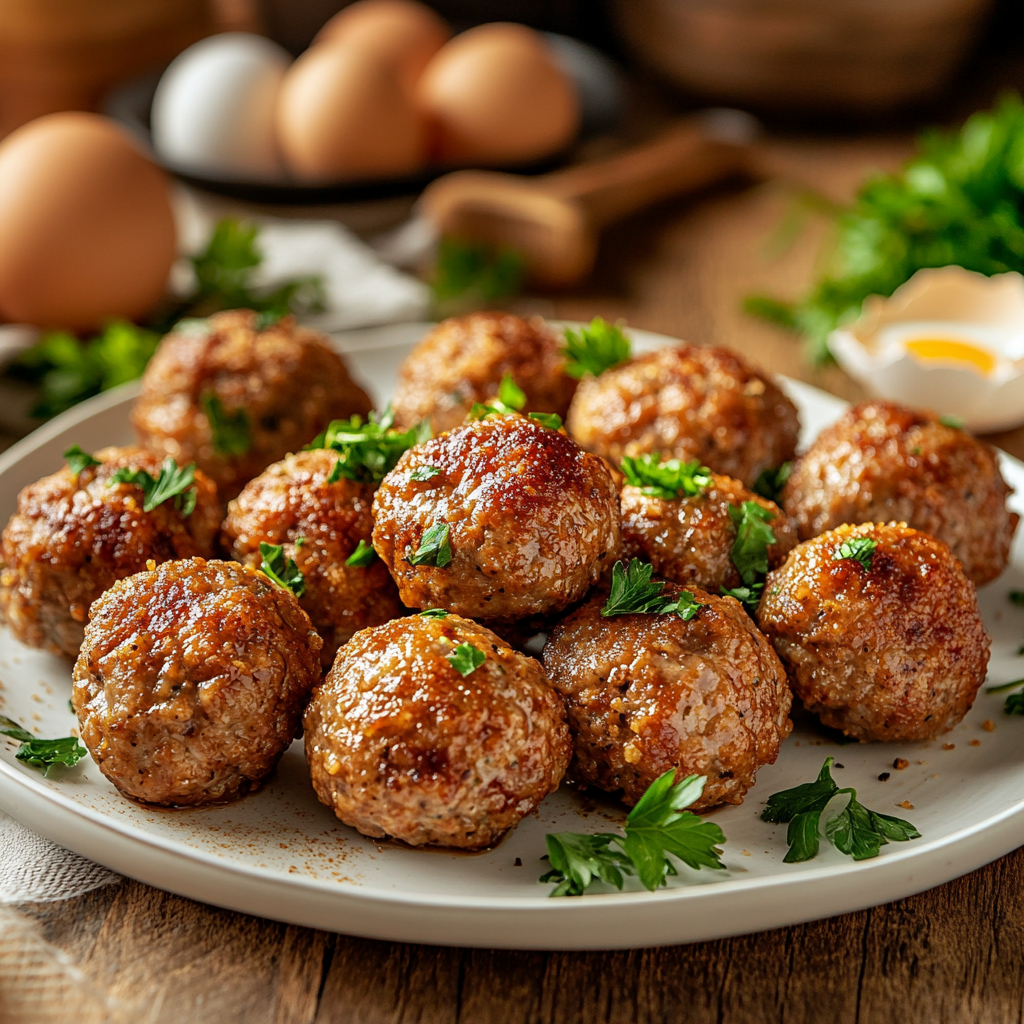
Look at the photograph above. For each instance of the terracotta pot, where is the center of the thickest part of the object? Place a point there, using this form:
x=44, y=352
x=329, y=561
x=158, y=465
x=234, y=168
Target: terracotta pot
x=64, y=54
x=805, y=56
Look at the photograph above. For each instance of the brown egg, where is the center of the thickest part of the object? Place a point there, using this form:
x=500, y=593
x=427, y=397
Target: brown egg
x=405, y=33
x=342, y=113
x=496, y=96
x=86, y=228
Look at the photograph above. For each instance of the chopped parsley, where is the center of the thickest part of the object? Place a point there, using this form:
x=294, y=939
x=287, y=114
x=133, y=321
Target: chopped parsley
x=633, y=593
x=78, y=460
x=173, y=482
x=368, y=451
x=433, y=613
x=550, y=420
x=434, y=548
x=1015, y=701
x=594, y=348
x=858, y=549
x=466, y=659
x=749, y=597
x=668, y=480
x=469, y=276
x=421, y=473
x=749, y=551
x=954, y=422
x=283, y=571
x=855, y=831
x=229, y=430
x=509, y=401
x=657, y=829
x=771, y=481
x=42, y=754
x=1016, y=597
x=363, y=556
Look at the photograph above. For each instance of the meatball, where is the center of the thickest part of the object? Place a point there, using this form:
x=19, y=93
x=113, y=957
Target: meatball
x=320, y=525
x=688, y=539
x=889, y=646
x=192, y=680
x=882, y=463
x=72, y=537
x=528, y=520
x=691, y=403
x=401, y=743
x=235, y=397
x=646, y=693
x=463, y=360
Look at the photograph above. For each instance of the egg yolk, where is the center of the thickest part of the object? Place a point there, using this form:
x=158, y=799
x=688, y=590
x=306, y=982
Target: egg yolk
x=947, y=350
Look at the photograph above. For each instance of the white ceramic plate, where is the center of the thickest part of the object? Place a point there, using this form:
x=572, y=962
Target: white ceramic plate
x=280, y=854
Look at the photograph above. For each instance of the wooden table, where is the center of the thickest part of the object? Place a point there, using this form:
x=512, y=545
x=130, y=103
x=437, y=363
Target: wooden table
x=132, y=953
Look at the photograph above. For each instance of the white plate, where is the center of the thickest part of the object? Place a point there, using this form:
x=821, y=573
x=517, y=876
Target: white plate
x=280, y=854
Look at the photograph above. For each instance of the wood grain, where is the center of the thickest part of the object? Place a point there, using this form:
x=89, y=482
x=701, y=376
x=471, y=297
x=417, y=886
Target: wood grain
x=955, y=954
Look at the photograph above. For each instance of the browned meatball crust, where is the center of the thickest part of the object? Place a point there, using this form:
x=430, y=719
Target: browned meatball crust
x=893, y=652
x=688, y=540
x=400, y=744
x=463, y=360
x=72, y=538
x=192, y=680
x=319, y=525
x=689, y=403
x=884, y=463
x=646, y=693
x=286, y=380
x=532, y=519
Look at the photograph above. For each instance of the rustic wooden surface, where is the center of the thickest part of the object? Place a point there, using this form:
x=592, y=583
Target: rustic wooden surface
x=132, y=953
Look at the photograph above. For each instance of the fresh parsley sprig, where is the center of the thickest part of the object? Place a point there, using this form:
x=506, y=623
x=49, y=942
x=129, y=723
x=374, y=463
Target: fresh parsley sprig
x=858, y=549
x=78, y=460
x=230, y=431
x=363, y=556
x=657, y=829
x=594, y=348
x=367, y=452
x=172, y=482
x=435, y=547
x=433, y=613
x=42, y=754
x=1015, y=701
x=283, y=571
x=466, y=659
x=548, y=420
x=469, y=276
x=668, y=480
x=633, y=593
x=510, y=399
x=855, y=831
x=749, y=551
x=770, y=482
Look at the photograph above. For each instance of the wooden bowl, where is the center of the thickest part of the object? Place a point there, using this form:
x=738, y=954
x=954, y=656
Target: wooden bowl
x=858, y=57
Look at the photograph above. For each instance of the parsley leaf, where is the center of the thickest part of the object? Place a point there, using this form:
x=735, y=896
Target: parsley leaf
x=657, y=827
x=668, y=480
x=173, y=482
x=421, y=473
x=466, y=659
x=633, y=593
x=368, y=451
x=39, y=753
x=550, y=420
x=1016, y=597
x=771, y=481
x=859, y=549
x=1015, y=701
x=855, y=831
x=78, y=460
x=594, y=348
x=363, y=556
x=510, y=393
x=954, y=422
x=283, y=571
x=749, y=597
x=433, y=613
x=469, y=276
x=434, y=548
x=749, y=552
x=230, y=431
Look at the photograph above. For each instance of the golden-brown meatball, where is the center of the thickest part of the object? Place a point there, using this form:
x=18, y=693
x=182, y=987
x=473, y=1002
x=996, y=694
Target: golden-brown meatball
x=646, y=693
x=529, y=520
x=463, y=360
x=234, y=397
x=191, y=681
x=688, y=539
x=319, y=525
x=884, y=463
x=888, y=647
x=72, y=537
x=689, y=403
x=401, y=743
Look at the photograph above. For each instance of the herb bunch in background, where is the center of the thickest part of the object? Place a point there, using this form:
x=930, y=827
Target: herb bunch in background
x=469, y=276
x=960, y=201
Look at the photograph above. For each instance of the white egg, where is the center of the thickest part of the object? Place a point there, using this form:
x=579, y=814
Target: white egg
x=213, y=111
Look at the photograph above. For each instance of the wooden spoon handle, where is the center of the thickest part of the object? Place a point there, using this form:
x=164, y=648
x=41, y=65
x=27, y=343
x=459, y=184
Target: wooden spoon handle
x=686, y=157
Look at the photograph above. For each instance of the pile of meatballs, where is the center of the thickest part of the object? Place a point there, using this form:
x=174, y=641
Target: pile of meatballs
x=396, y=643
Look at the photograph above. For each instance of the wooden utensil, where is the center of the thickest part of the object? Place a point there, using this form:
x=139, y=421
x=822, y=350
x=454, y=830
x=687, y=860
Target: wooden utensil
x=553, y=220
